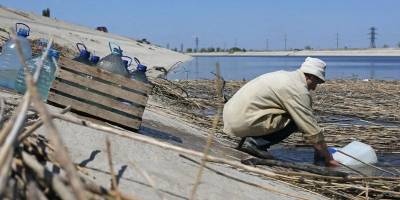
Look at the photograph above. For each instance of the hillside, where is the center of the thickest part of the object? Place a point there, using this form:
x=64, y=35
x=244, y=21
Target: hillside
x=67, y=35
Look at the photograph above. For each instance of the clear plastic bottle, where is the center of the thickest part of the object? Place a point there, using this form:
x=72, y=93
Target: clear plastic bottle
x=140, y=73
x=46, y=77
x=9, y=60
x=113, y=62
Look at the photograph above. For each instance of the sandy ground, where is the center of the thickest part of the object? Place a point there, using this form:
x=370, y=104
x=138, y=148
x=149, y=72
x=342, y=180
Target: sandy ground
x=352, y=52
x=172, y=174
x=68, y=35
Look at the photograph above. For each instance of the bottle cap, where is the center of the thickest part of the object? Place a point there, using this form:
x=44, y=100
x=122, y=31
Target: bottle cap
x=23, y=32
x=94, y=59
x=54, y=53
x=117, y=51
x=125, y=63
x=332, y=150
x=141, y=68
x=84, y=54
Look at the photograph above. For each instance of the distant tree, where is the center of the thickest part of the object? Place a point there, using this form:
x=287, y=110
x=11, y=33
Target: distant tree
x=218, y=49
x=175, y=49
x=308, y=47
x=102, y=28
x=46, y=12
x=144, y=40
x=398, y=44
x=244, y=50
x=210, y=49
x=385, y=46
x=189, y=50
x=234, y=49
x=202, y=50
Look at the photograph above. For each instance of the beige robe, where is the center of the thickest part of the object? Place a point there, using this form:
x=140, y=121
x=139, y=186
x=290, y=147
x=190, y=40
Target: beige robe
x=268, y=103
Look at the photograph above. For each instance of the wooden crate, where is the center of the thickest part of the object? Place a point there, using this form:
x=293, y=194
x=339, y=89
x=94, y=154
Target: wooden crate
x=99, y=94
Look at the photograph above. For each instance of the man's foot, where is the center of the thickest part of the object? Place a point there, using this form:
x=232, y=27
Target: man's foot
x=253, y=150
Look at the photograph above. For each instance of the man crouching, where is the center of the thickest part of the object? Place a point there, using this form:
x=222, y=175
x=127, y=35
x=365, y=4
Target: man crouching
x=269, y=108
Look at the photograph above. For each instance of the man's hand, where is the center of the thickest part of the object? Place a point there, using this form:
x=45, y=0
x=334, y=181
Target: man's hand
x=333, y=163
x=322, y=150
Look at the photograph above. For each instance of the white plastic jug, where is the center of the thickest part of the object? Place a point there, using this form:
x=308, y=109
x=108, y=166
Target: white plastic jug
x=356, y=149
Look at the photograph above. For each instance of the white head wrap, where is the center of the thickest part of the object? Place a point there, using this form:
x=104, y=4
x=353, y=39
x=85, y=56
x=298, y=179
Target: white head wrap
x=315, y=67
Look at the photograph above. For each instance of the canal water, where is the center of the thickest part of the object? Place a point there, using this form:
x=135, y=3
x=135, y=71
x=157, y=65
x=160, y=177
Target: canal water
x=246, y=68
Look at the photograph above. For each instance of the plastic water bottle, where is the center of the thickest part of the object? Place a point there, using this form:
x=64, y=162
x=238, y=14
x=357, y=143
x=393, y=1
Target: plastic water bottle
x=9, y=60
x=85, y=56
x=356, y=149
x=46, y=77
x=113, y=62
x=127, y=63
x=140, y=73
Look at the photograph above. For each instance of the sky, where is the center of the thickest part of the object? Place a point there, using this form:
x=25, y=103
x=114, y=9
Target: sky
x=250, y=24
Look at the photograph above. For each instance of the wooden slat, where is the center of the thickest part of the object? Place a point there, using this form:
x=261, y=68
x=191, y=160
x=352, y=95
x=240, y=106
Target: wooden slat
x=93, y=110
x=105, y=75
x=103, y=100
x=102, y=87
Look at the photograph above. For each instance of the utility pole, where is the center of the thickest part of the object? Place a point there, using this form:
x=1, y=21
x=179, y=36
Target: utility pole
x=181, y=47
x=235, y=44
x=372, y=37
x=197, y=44
x=167, y=45
x=285, y=41
x=266, y=45
x=337, y=40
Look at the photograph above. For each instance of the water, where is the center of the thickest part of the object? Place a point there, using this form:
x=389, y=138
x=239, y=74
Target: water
x=387, y=161
x=338, y=67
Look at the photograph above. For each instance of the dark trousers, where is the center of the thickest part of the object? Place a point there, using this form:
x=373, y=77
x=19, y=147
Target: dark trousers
x=265, y=141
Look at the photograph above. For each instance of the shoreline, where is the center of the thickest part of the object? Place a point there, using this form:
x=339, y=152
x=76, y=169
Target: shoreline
x=386, y=52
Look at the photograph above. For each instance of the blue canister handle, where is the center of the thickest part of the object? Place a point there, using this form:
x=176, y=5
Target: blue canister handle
x=78, y=45
x=136, y=60
x=115, y=48
x=129, y=60
x=83, y=52
x=25, y=32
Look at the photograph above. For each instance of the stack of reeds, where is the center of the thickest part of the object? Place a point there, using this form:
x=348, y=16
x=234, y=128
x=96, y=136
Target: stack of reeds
x=196, y=101
x=373, y=107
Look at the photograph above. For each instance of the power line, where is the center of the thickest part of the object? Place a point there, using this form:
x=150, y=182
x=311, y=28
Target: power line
x=372, y=37
x=197, y=44
x=285, y=41
x=337, y=40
